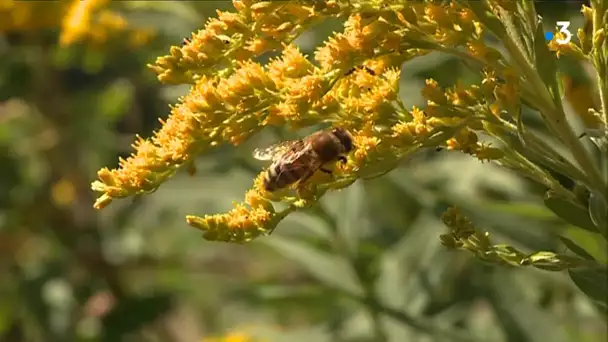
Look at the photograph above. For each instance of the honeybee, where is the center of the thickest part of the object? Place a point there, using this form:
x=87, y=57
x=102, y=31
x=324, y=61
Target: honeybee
x=295, y=161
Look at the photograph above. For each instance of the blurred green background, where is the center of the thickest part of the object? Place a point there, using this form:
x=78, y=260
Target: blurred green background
x=364, y=265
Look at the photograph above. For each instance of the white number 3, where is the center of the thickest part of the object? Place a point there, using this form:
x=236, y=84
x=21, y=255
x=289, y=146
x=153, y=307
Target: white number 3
x=563, y=28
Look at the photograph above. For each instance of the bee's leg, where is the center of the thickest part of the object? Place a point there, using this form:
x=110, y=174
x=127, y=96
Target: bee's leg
x=325, y=170
x=301, y=185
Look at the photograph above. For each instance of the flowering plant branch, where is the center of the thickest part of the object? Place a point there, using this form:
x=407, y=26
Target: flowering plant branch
x=232, y=98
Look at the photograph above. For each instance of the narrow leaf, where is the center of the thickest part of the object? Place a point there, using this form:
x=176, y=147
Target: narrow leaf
x=482, y=12
x=546, y=65
x=597, y=136
x=569, y=211
x=592, y=243
x=594, y=283
x=580, y=251
x=524, y=210
x=598, y=212
x=516, y=30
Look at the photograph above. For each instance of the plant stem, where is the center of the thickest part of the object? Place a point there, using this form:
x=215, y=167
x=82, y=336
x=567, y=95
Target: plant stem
x=602, y=85
x=602, y=79
x=599, y=61
x=556, y=118
x=543, y=152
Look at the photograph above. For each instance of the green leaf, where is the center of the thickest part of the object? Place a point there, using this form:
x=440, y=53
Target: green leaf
x=594, y=283
x=546, y=65
x=133, y=313
x=576, y=248
x=327, y=268
x=599, y=137
x=569, y=211
x=592, y=243
x=486, y=17
x=598, y=212
x=523, y=210
x=516, y=30
x=527, y=10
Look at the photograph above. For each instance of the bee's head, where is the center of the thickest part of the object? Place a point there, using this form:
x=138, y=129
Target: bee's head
x=345, y=138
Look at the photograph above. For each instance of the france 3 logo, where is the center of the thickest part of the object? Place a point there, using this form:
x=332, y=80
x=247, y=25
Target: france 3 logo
x=563, y=28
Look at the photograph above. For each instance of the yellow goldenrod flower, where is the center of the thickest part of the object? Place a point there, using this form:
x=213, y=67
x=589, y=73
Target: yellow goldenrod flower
x=581, y=97
x=63, y=193
x=88, y=21
x=30, y=15
x=231, y=37
x=94, y=22
x=478, y=49
x=77, y=20
x=353, y=82
x=570, y=49
x=231, y=337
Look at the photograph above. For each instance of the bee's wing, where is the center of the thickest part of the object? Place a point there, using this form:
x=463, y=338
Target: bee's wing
x=276, y=151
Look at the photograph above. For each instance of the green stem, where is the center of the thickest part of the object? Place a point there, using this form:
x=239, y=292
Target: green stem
x=556, y=118
x=543, y=152
x=602, y=85
x=602, y=78
x=519, y=162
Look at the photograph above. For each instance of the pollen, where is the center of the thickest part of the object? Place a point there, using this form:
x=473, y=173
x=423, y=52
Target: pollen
x=292, y=64
x=364, y=144
x=433, y=92
x=240, y=224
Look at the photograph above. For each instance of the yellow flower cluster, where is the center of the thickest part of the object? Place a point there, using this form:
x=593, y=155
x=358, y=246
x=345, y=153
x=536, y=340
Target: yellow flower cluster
x=231, y=337
x=91, y=21
x=353, y=82
x=94, y=22
x=25, y=16
x=256, y=27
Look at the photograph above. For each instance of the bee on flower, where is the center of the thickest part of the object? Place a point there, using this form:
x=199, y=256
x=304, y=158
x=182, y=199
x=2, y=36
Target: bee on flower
x=295, y=161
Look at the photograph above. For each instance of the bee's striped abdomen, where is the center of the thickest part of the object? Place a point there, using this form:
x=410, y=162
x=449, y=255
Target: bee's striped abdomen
x=282, y=175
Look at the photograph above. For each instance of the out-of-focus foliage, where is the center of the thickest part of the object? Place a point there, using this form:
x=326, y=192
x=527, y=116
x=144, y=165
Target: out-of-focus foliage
x=362, y=264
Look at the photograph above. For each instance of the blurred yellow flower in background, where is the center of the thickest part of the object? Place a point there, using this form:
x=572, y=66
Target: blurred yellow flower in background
x=231, y=337
x=63, y=193
x=95, y=22
x=24, y=16
x=89, y=21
